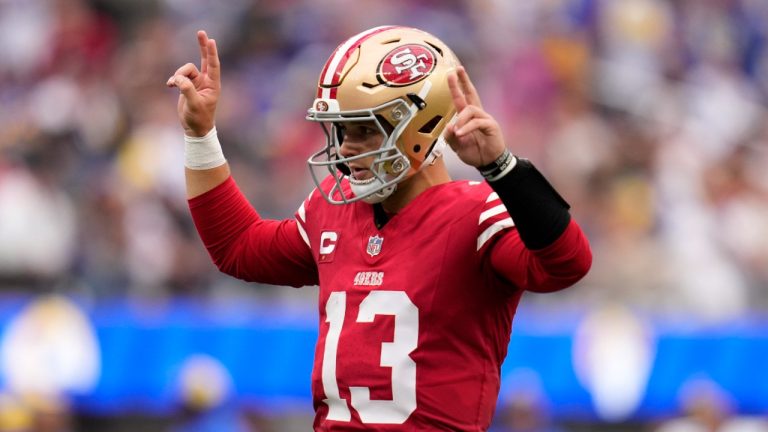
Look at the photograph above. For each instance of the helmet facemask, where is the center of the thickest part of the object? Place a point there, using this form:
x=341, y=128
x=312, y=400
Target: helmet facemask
x=389, y=165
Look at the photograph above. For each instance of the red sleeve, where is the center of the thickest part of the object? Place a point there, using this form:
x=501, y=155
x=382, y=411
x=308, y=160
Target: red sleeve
x=555, y=267
x=244, y=245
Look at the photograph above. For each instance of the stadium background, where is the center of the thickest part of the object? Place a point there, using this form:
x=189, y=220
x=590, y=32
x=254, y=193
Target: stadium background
x=648, y=115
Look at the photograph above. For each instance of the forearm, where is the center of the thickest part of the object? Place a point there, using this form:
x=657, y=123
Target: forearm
x=243, y=245
x=539, y=212
x=555, y=267
x=547, y=251
x=202, y=181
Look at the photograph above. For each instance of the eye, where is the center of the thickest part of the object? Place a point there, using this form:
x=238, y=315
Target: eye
x=368, y=131
x=359, y=131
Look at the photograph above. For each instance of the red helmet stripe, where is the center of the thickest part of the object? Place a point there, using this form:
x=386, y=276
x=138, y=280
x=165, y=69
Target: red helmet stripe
x=331, y=73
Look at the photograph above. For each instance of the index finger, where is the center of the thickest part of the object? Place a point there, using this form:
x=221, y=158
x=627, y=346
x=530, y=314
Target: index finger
x=459, y=100
x=470, y=93
x=202, y=41
x=214, y=67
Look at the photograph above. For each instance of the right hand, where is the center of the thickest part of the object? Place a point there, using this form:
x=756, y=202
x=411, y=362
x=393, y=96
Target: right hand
x=200, y=89
x=475, y=136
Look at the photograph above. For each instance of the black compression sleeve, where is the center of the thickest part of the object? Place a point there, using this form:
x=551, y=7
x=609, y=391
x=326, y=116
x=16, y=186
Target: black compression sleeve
x=539, y=212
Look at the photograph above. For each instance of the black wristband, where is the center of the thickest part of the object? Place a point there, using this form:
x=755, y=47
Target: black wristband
x=539, y=212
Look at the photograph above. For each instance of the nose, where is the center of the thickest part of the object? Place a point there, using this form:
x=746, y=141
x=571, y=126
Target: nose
x=347, y=149
x=350, y=147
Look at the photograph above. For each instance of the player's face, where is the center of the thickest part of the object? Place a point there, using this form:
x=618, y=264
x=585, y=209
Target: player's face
x=360, y=137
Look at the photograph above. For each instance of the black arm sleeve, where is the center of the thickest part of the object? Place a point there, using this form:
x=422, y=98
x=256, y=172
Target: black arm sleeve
x=539, y=212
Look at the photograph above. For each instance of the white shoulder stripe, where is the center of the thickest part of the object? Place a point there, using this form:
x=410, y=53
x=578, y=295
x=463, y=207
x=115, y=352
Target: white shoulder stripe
x=491, y=212
x=303, y=234
x=302, y=213
x=492, y=196
x=493, y=229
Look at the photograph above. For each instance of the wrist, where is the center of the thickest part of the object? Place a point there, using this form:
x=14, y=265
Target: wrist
x=198, y=133
x=203, y=152
x=499, y=167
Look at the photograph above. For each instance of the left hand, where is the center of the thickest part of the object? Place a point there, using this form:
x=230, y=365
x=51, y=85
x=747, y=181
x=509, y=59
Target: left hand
x=200, y=89
x=475, y=136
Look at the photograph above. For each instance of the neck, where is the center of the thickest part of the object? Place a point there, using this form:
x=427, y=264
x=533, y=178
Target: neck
x=413, y=186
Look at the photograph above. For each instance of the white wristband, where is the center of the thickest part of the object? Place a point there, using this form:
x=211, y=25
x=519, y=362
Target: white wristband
x=201, y=153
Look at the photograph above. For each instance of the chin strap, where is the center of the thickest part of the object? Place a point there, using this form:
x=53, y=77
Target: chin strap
x=375, y=197
x=436, y=153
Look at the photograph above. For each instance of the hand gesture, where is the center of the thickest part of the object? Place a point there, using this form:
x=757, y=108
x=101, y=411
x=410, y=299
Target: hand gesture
x=475, y=136
x=200, y=89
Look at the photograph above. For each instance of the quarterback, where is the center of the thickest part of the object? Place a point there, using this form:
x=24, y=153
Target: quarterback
x=419, y=275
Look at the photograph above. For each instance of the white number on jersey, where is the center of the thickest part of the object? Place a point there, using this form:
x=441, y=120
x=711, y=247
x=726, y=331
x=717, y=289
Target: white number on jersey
x=394, y=354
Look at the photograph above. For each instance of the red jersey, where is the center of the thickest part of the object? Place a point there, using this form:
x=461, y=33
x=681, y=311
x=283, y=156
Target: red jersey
x=415, y=317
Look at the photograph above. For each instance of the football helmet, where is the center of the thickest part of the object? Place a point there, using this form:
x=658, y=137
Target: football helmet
x=397, y=78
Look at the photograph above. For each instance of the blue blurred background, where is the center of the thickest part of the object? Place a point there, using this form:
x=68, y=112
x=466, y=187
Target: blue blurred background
x=649, y=116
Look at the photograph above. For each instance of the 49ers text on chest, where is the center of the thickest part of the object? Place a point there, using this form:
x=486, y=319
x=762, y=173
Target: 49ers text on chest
x=369, y=278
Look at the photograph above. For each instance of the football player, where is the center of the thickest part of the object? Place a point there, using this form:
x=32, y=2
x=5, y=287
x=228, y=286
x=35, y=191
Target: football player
x=419, y=275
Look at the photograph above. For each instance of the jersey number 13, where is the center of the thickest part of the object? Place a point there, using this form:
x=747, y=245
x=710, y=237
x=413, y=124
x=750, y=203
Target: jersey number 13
x=394, y=354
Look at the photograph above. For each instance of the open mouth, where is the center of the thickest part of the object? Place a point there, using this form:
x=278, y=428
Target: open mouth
x=361, y=176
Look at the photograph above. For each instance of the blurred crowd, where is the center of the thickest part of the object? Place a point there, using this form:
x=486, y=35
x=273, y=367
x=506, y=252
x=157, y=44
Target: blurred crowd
x=648, y=116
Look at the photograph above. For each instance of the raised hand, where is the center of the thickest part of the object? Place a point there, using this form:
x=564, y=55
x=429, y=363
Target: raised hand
x=200, y=89
x=475, y=136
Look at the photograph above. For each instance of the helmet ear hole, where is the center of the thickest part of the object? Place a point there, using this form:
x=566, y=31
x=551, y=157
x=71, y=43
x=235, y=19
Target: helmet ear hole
x=416, y=148
x=429, y=126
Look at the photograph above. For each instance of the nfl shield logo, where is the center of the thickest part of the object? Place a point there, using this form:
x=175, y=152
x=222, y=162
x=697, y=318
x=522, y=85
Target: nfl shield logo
x=374, y=245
